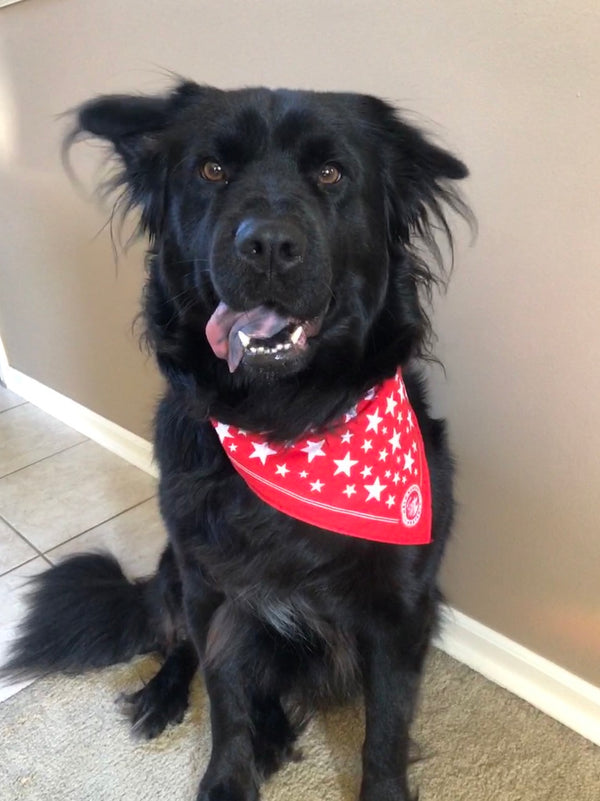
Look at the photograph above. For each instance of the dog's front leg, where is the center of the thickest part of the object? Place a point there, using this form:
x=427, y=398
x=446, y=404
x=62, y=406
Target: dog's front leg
x=393, y=652
x=231, y=774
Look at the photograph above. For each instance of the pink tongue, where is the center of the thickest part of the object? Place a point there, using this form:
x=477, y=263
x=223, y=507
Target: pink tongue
x=223, y=327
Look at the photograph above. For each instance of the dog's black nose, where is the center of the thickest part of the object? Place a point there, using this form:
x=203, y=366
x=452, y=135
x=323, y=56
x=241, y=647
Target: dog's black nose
x=268, y=245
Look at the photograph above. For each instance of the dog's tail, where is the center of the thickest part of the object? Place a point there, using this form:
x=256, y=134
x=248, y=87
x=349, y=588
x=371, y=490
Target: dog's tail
x=84, y=613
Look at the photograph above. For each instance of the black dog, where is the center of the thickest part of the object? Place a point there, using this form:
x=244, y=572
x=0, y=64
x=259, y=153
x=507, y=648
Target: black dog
x=286, y=279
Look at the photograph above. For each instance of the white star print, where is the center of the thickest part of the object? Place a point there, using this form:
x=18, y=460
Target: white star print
x=350, y=490
x=391, y=405
x=390, y=501
x=316, y=486
x=402, y=392
x=261, y=451
x=232, y=446
x=303, y=474
x=345, y=465
x=366, y=446
x=388, y=473
x=375, y=489
x=374, y=420
x=383, y=454
x=409, y=420
x=408, y=462
x=395, y=441
x=313, y=449
x=347, y=437
x=350, y=414
x=366, y=471
x=282, y=470
x=396, y=478
x=222, y=431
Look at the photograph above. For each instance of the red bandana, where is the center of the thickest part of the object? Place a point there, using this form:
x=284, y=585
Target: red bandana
x=367, y=477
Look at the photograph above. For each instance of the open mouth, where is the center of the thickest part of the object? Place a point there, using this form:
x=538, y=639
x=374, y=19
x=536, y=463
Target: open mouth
x=259, y=336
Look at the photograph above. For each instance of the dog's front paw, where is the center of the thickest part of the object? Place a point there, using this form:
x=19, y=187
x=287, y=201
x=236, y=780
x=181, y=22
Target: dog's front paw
x=227, y=790
x=394, y=789
x=150, y=710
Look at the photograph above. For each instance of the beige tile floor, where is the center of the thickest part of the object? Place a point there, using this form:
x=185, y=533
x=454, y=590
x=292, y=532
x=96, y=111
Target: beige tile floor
x=61, y=493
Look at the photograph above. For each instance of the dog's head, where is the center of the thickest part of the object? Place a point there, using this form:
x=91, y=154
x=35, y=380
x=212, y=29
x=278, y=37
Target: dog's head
x=282, y=222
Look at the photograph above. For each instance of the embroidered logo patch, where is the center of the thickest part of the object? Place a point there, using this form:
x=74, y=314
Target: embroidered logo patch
x=411, y=506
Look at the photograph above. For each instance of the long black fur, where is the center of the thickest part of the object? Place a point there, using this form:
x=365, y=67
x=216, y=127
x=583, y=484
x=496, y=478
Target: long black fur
x=281, y=616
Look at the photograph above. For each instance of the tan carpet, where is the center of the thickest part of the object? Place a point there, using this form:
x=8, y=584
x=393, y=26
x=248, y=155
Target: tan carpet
x=62, y=739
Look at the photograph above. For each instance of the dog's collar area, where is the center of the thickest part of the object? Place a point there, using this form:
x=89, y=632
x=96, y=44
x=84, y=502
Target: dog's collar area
x=367, y=477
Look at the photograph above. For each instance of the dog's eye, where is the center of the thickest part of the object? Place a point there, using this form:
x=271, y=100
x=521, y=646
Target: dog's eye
x=329, y=174
x=211, y=170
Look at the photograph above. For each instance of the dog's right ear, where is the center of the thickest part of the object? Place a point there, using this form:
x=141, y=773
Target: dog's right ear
x=134, y=126
x=128, y=122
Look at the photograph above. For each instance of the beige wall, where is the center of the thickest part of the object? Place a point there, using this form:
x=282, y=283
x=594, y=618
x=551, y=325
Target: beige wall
x=514, y=87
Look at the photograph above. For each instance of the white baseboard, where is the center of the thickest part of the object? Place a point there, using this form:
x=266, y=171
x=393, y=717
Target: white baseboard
x=550, y=688
x=546, y=686
x=111, y=436
x=4, y=368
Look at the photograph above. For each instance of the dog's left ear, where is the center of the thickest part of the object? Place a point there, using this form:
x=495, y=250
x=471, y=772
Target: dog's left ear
x=418, y=178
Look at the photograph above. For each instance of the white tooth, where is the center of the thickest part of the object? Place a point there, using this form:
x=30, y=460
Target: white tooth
x=260, y=350
x=279, y=346
x=296, y=334
x=287, y=346
x=252, y=350
x=244, y=338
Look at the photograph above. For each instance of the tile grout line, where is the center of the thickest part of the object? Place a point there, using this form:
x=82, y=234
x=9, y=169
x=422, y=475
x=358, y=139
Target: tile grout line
x=91, y=528
x=45, y=458
x=24, y=538
x=16, y=406
x=44, y=554
x=24, y=564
